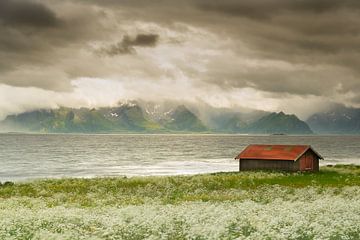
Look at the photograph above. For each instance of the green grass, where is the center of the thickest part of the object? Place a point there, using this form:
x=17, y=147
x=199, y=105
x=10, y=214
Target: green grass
x=216, y=187
x=246, y=205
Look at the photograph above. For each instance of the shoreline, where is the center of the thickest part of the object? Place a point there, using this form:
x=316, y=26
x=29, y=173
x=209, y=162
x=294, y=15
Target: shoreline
x=335, y=168
x=184, y=174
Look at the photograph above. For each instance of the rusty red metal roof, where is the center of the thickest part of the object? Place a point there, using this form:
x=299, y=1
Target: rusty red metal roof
x=275, y=152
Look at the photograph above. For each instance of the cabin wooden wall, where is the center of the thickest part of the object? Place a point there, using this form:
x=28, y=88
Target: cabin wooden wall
x=258, y=164
x=316, y=165
x=309, y=158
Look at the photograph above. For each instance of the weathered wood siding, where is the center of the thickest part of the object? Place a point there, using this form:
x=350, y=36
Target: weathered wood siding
x=316, y=165
x=258, y=164
x=309, y=162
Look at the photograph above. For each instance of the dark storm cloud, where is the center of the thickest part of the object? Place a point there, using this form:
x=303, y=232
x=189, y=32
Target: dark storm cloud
x=320, y=39
x=258, y=9
x=304, y=27
x=274, y=28
x=27, y=13
x=127, y=44
x=299, y=47
x=144, y=40
x=36, y=41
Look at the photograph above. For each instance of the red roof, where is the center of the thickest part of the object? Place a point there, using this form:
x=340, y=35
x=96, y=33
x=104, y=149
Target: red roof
x=275, y=152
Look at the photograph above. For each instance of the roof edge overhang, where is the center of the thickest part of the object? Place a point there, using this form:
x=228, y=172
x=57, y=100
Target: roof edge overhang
x=266, y=159
x=307, y=149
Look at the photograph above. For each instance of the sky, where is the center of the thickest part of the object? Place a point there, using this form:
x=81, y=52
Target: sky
x=296, y=56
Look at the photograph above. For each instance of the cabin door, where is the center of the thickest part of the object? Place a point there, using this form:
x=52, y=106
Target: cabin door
x=308, y=161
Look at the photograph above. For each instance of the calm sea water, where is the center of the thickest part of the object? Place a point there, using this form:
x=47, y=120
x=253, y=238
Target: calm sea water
x=32, y=156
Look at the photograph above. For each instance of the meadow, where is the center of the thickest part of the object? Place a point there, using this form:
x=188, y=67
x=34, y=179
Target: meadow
x=246, y=205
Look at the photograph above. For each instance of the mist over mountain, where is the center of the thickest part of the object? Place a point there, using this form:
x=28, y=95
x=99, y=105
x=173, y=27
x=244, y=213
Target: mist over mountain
x=150, y=117
x=338, y=119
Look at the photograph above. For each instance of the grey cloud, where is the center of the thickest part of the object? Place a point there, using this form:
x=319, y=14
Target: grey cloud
x=144, y=40
x=305, y=34
x=300, y=31
x=27, y=13
x=258, y=9
x=127, y=44
x=37, y=47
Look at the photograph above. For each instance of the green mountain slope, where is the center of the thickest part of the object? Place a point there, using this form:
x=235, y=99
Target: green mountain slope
x=120, y=119
x=129, y=117
x=279, y=123
x=124, y=118
x=182, y=119
x=35, y=121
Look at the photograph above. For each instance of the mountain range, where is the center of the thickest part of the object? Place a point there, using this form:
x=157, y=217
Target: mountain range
x=151, y=118
x=337, y=119
x=146, y=117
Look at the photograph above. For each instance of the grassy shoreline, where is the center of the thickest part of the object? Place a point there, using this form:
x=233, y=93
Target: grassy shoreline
x=174, y=189
x=247, y=205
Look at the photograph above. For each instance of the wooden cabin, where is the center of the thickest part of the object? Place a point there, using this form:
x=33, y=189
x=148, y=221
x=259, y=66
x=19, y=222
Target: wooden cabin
x=279, y=157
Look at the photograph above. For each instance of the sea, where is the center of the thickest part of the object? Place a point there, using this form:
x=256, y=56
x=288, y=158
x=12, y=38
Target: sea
x=26, y=157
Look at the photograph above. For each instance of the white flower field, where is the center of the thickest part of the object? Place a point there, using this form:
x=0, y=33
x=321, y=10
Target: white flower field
x=306, y=214
x=248, y=205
